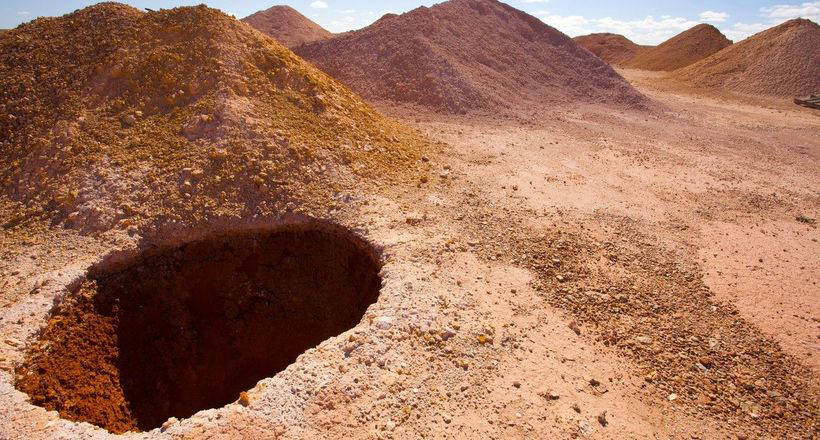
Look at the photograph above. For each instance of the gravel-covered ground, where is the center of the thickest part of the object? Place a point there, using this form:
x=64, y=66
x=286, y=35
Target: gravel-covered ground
x=584, y=274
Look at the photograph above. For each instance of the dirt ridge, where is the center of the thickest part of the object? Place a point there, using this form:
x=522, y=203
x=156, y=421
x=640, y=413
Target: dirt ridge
x=465, y=55
x=615, y=49
x=780, y=61
x=681, y=50
x=111, y=115
x=287, y=26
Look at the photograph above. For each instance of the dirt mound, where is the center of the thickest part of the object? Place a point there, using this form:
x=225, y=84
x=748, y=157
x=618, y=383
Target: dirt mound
x=287, y=26
x=110, y=115
x=612, y=48
x=681, y=50
x=781, y=61
x=465, y=55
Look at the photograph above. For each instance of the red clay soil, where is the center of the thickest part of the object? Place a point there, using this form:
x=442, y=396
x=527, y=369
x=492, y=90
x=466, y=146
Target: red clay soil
x=464, y=55
x=613, y=48
x=681, y=50
x=782, y=61
x=190, y=328
x=287, y=26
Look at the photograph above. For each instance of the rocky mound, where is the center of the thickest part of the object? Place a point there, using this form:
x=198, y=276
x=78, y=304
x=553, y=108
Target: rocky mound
x=681, y=50
x=287, y=26
x=464, y=55
x=781, y=61
x=612, y=48
x=109, y=115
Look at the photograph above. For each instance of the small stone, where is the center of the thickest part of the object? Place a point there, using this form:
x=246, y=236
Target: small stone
x=551, y=395
x=447, y=334
x=447, y=418
x=383, y=322
x=168, y=423
x=517, y=384
x=594, y=382
x=672, y=397
x=413, y=219
x=574, y=327
x=584, y=427
x=128, y=120
x=576, y=408
x=602, y=419
x=244, y=399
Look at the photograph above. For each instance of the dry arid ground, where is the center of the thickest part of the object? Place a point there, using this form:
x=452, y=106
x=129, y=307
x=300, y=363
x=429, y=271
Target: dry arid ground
x=588, y=273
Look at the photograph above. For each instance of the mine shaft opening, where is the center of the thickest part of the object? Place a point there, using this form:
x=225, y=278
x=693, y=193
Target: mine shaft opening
x=187, y=328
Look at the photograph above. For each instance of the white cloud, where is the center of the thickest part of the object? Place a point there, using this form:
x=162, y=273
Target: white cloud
x=739, y=31
x=810, y=10
x=715, y=17
x=23, y=12
x=773, y=16
x=649, y=30
x=318, y=4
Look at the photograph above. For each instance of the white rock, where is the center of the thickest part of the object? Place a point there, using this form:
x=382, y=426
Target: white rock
x=383, y=322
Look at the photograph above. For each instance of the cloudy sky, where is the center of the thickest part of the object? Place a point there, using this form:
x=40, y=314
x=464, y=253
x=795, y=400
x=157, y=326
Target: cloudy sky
x=643, y=21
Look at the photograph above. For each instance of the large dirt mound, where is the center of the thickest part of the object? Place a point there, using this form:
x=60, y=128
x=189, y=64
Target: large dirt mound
x=463, y=55
x=612, y=48
x=681, y=50
x=287, y=26
x=110, y=114
x=781, y=61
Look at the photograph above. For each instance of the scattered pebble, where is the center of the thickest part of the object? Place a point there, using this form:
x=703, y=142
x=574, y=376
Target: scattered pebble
x=602, y=419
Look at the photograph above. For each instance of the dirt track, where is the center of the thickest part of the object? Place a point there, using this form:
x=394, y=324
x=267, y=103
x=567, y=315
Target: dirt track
x=548, y=272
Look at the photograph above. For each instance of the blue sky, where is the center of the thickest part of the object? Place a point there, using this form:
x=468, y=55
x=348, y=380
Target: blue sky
x=643, y=21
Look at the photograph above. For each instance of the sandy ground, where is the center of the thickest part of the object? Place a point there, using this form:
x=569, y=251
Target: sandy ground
x=472, y=336
x=724, y=179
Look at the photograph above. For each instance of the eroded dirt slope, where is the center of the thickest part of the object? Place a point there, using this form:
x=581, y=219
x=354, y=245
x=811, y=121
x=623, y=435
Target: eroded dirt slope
x=681, y=50
x=781, y=61
x=287, y=26
x=469, y=55
x=613, y=48
x=110, y=115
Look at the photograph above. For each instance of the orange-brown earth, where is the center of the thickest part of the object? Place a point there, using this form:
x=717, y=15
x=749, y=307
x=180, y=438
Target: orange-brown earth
x=110, y=115
x=681, y=50
x=287, y=26
x=591, y=273
x=615, y=49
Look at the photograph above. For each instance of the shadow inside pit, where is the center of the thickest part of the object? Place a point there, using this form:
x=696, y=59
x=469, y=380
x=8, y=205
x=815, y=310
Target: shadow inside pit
x=188, y=328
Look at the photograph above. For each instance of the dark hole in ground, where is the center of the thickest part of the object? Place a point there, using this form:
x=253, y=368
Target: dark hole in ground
x=188, y=328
